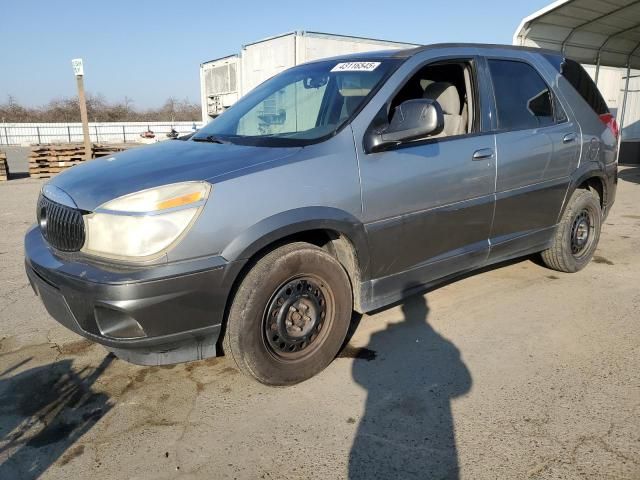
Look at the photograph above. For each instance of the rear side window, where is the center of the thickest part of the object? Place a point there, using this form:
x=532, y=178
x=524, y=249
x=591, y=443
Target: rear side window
x=523, y=99
x=581, y=81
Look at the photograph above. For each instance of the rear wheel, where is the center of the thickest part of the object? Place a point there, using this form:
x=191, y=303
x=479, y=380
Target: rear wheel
x=578, y=233
x=290, y=315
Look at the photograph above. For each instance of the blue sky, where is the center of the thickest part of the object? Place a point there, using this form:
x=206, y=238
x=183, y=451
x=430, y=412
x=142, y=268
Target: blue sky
x=150, y=50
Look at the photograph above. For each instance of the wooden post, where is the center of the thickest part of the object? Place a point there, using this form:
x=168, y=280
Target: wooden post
x=78, y=69
x=84, y=117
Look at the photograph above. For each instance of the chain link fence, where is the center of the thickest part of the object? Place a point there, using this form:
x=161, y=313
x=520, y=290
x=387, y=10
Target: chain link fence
x=100, y=132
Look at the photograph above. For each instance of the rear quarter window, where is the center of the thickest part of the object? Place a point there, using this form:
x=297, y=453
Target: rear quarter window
x=577, y=76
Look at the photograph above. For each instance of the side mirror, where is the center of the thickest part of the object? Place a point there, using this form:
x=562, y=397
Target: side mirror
x=411, y=119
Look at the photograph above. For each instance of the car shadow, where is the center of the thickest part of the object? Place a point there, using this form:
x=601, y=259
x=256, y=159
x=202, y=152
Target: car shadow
x=630, y=174
x=407, y=430
x=44, y=411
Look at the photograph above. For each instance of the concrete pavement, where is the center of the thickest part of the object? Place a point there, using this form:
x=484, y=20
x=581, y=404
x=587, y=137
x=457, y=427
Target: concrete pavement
x=515, y=372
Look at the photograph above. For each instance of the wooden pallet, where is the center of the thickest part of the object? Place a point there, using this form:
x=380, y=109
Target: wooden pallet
x=55, y=159
x=41, y=175
x=4, y=167
x=47, y=160
x=55, y=162
x=43, y=157
x=100, y=150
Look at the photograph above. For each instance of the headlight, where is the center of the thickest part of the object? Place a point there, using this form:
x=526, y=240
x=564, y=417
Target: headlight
x=144, y=224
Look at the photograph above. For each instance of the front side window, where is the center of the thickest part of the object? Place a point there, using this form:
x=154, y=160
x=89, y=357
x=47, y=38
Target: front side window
x=450, y=84
x=523, y=99
x=301, y=105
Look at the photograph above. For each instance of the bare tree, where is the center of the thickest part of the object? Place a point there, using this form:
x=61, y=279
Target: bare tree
x=128, y=104
x=66, y=109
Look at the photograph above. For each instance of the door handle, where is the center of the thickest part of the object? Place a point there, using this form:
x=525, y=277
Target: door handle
x=483, y=154
x=569, y=137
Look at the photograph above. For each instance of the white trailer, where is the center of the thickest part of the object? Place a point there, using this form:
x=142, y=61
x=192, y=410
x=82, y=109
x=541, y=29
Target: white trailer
x=219, y=87
x=224, y=80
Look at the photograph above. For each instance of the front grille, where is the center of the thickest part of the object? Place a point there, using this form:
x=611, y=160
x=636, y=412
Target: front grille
x=62, y=226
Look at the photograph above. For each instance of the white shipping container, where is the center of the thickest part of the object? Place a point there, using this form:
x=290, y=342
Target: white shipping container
x=263, y=59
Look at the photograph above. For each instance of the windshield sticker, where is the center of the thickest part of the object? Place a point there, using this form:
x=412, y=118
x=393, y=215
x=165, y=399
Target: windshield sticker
x=356, y=67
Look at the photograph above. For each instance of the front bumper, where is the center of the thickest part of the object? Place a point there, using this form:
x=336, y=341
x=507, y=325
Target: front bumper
x=151, y=315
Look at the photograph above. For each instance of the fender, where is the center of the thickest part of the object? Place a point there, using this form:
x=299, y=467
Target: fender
x=299, y=220
x=583, y=173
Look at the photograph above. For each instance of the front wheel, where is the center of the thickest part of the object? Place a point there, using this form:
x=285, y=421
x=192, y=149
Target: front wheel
x=576, y=238
x=290, y=315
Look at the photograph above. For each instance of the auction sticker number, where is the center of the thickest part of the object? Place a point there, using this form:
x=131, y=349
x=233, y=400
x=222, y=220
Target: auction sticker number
x=356, y=67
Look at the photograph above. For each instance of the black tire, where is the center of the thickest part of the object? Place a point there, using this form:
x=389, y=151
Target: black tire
x=571, y=250
x=296, y=297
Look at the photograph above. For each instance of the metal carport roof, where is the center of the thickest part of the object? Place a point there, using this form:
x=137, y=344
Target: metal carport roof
x=600, y=32
x=604, y=32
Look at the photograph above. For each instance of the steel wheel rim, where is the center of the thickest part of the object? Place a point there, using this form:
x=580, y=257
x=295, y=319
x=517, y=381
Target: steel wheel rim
x=297, y=318
x=582, y=233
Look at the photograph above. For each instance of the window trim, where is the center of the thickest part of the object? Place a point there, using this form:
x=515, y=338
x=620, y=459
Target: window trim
x=473, y=61
x=555, y=102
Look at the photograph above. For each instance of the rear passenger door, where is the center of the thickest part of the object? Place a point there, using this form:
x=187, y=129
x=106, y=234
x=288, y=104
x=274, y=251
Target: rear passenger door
x=537, y=147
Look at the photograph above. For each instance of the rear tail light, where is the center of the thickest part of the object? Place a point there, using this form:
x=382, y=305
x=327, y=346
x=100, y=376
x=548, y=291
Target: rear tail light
x=610, y=121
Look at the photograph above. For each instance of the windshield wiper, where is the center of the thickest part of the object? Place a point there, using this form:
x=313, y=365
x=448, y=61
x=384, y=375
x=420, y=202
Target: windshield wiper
x=211, y=139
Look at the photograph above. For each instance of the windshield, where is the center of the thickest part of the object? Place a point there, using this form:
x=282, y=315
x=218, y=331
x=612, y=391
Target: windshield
x=300, y=106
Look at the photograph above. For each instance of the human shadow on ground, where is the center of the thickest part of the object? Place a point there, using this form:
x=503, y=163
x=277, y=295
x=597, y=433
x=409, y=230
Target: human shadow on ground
x=407, y=430
x=44, y=411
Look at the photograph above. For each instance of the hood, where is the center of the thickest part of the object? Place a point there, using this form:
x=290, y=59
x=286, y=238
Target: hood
x=98, y=181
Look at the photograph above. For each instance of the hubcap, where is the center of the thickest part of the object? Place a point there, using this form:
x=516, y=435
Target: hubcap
x=581, y=231
x=295, y=317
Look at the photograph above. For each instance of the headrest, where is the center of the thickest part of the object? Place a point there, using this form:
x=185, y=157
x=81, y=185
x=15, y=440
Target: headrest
x=446, y=95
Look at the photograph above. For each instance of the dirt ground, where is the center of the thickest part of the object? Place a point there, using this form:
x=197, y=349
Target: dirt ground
x=515, y=372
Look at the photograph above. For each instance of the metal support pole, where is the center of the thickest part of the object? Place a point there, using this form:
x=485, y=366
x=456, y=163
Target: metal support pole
x=624, y=106
x=124, y=134
x=6, y=134
x=69, y=133
x=597, y=69
x=38, y=132
x=96, y=129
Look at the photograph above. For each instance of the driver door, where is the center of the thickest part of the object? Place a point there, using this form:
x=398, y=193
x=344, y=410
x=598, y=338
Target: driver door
x=428, y=204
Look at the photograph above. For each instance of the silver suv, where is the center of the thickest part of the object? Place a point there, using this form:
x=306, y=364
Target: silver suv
x=339, y=185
